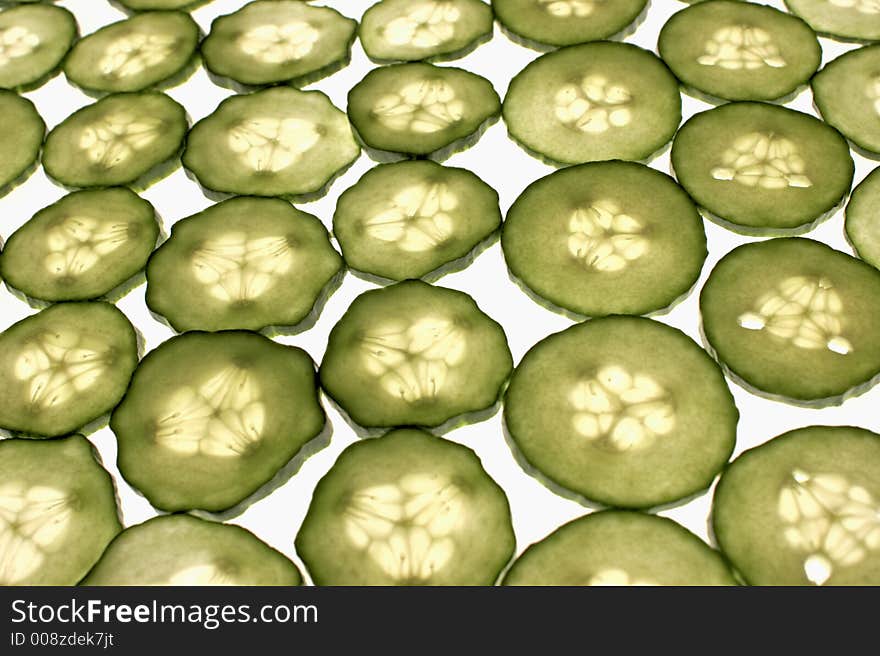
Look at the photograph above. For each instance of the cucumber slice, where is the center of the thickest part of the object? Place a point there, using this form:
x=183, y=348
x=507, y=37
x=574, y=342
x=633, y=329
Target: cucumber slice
x=566, y=22
x=81, y=247
x=408, y=508
x=33, y=41
x=244, y=263
x=151, y=5
x=412, y=354
x=847, y=94
x=761, y=166
x=21, y=137
x=421, y=109
x=134, y=54
x=855, y=20
x=625, y=411
x=597, y=101
x=272, y=41
x=210, y=417
x=277, y=142
x=57, y=511
x=862, y=222
x=182, y=550
x=739, y=51
x=414, y=30
x=804, y=509
x=794, y=318
x=409, y=219
x=64, y=367
x=121, y=139
x=620, y=548
x=605, y=238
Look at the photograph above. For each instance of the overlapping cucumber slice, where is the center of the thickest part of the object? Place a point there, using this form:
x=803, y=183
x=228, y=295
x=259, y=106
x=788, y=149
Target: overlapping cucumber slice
x=81, y=247
x=408, y=508
x=57, y=511
x=566, y=22
x=182, y=550
x=625, y=411
x=277, y=142
x=414, y=30
x=598, y=101
x=421, y=109
x=413, y=354
x=122, y=139
x=605, y=238
x=739, y=51
x=64, y=367
x=21, y=137
x=160, y=5
x=272, y=41
x=620, y=548
x=34, y=40
x=855, y=20
x=794, y=319
x=244, y=263
x=762, y=167
x=804, y=509
x=411, y=218
x=863, y=219
x=211, y=417
x=134, y=54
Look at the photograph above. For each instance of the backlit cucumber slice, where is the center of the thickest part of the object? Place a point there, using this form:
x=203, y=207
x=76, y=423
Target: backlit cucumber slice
x=151, y=5
x=21, y=137
x=863, y=219
x=857, y=20
x=33, y=42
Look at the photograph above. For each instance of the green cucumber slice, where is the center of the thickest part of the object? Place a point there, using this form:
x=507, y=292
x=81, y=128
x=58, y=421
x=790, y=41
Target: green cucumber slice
x=411, y=218
x=82, y=246
x=272, y=41
x=758, y=166
x=64, y=367
x=244, y=263
x=210, y=417
x=414, y=30
x=620, y=548
x=803, y=509
x=159, y=5
x=57, y=511
x=421, y=109
x=605, y=238
x=862, y=222
x=847, y=94
x=119, y=140
x=412, y=354
x=33, y=42
x=21, y=137
x=739, y=51
x=593, y=102
x=134, y=54
x=408, y=508
x=566, y=22
x=181, y=550
x=625, y=411
x=794, y=319
x=277, y=142
x=854, y=20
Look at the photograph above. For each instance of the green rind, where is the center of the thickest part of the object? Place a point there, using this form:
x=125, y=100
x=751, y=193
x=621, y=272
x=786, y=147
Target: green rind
x=477, y=209
x=646, y=547
x=468, y=388
x=862, y=222
x=488, y=544
x=22, y=263
x=163, y=546
x=682, y=40
x=96, y=320
x=538, y=414
x=534, y=239
x=21, y=138
x=745, y=518
x=172, y=481
x=92, y=515
x=774, y=366
x=56, y=40
x=844, y=23
x=702, y=140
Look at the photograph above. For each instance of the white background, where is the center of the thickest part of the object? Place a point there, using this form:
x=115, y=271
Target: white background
x=503, y=165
